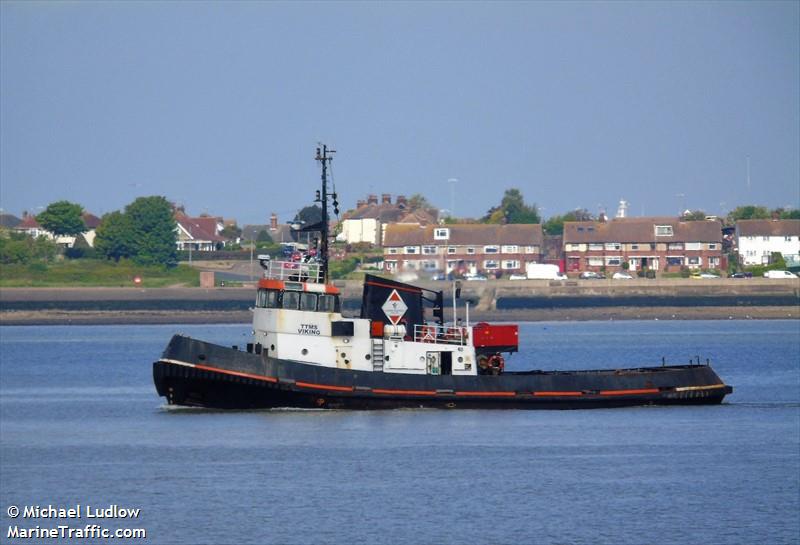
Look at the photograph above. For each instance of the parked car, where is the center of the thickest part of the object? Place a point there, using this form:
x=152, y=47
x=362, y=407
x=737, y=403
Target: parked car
x=742, y=275
x=439, y=276
x=622, y=276
x=591, y=275
x=518, y=277
x=478, y=277
x=779, y=274
x=704, y=275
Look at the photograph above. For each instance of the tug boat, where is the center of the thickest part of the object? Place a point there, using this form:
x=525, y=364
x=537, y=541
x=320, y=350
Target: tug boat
x=305, y=354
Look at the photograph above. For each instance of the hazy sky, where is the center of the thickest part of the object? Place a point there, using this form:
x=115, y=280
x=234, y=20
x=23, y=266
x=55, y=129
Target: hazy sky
x=219, y=106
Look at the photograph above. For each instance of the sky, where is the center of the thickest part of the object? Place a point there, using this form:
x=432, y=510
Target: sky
x=220, y=106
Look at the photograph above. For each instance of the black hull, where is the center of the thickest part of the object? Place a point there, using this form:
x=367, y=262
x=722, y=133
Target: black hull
x=196, y=373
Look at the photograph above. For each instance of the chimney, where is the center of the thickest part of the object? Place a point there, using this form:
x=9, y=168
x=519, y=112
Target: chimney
x=401, y=201
x=602, y=218
x=386, y=198
x=361, y=203
x=372, y=199
x=273, y=222
x=24, y=214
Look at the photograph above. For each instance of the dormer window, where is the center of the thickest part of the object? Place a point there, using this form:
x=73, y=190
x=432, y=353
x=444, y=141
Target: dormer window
x=663, y=230
x=441, y=233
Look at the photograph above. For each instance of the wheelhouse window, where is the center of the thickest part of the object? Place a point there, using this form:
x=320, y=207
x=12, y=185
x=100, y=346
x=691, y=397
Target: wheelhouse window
x=328, y=303
x=308, y=301
x=267, y=298
x=291, y=300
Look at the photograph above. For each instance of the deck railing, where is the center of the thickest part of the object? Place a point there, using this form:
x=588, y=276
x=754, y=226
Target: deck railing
x=293, y=270
x=434, y=333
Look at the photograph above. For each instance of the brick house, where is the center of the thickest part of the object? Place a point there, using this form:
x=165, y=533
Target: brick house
x=462, y=248
x=367, y=222
x=657, y=243
x=756, y=240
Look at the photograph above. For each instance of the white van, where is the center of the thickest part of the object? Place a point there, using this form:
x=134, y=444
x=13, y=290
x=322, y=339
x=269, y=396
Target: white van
x=779, y=274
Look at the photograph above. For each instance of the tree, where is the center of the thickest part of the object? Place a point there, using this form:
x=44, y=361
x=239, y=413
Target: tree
x=152, y=228
x=555, y=224
x=62, y=218
x=748, y=212
x=310, y=215
x=512, y=209
x=419, y=202
x=114, y=236
x=787, y=213
x=231, y=232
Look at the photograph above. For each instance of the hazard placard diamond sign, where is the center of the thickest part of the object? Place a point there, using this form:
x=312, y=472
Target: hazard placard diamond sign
x=394, y=307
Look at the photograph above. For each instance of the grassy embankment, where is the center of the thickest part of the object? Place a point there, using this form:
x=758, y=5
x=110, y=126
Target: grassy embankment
x=95, y=273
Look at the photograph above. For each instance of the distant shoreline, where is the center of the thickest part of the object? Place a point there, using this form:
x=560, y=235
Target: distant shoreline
x=144, y=317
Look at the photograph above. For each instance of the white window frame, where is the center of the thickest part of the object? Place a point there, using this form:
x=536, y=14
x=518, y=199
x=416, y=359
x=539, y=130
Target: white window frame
x=595, y=261
x=429, y=250
x=694, y=246
x=491, y=249
x=595, y=246
x=510, y=264
x=441, y=233
x=614, y=246
x=491, y=264
x=509, y=249
x=451, y=249
x=530, y=249
x=663, y=230
x=393, y=250
x=412, y=250
x=470, y=250
x=611, y=259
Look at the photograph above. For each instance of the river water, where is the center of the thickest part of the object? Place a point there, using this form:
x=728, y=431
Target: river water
x=80, y=423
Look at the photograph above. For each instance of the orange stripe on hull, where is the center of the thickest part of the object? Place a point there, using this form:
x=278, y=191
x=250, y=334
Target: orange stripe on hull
x=557, y=394
x=628, y=392
x=487, y=394
x=235, y=373
x=324, y=386
x=404, y=392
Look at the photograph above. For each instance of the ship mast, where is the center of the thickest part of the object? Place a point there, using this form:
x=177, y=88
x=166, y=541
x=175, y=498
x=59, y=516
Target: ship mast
x=324, y=158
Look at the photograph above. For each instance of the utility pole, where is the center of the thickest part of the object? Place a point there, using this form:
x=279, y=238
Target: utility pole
x=324, y=159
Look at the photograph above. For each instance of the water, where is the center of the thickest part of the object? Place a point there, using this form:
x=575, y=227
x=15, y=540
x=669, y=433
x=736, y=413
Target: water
x=80, y=423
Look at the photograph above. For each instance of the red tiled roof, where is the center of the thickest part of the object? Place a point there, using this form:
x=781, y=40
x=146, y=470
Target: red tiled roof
x=767, y=228
x=90, y=220
x=28, y=222
x=199, y=228
x=464, y=234
x=625, y=230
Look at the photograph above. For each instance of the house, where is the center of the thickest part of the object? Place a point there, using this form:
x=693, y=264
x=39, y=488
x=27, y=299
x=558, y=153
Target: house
x=32, y=228
x=280, y=233
x=366, y=223
x=645, y=243
x=462, y=248
x=200, y=234
x=757, y=240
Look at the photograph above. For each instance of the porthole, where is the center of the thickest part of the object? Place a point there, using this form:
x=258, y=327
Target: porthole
x=272, y=347
x=460, y=359
x=367, y=357
x=304, y=351
x=386, y=358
